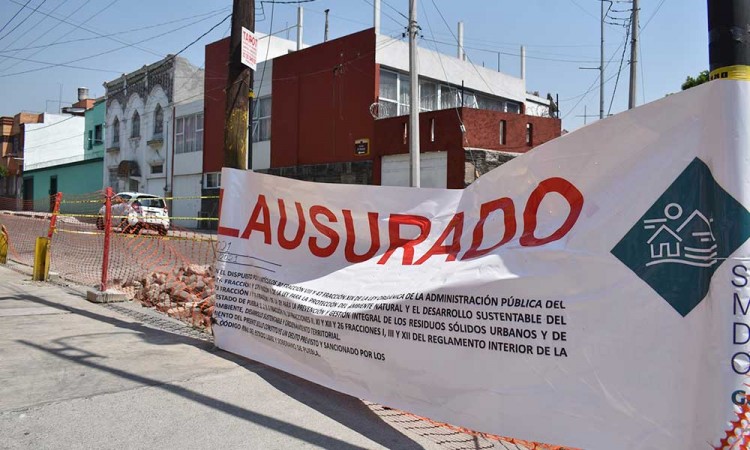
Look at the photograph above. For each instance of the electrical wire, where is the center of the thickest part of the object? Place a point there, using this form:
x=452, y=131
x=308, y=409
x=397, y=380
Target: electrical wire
x=15, y=15
x=36, y=26
x=588, y=13
x=67, y=63
x=619, y=71
x=386, y=14
x=577, y=61
x=5, y=69
x=132, y=30
x=256, y=104
x=92, y=31
x=658, y=7
x=24, y=20
x=440, y=13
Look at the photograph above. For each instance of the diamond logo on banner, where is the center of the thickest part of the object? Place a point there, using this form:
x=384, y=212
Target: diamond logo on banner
x=684, y=237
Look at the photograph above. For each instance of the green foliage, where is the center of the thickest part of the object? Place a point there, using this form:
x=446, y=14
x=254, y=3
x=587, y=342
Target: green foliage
x=692, y=82
x=3, y=171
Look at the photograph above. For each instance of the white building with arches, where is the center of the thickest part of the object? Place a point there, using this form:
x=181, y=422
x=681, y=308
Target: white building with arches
x=143, y=109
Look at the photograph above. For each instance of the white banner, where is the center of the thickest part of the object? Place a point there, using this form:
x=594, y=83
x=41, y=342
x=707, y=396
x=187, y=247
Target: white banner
x=590, y=293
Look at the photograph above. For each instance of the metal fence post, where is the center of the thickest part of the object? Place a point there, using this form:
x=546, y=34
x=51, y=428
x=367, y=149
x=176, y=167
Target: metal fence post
x=4, y=244
x=107, y=233
x=55, y=212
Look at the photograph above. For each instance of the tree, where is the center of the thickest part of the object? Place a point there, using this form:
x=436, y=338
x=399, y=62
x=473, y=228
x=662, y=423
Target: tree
x=692, y=82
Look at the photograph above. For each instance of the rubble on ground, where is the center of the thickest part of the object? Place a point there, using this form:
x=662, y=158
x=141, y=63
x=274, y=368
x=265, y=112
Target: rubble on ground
x=187, y=294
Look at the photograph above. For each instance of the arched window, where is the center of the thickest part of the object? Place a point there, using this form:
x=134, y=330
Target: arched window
x=158, y=120
x=135, y=131
x=116, y=132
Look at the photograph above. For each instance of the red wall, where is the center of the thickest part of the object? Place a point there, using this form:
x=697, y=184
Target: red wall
x=389, y=140
x=483, y=130
x=215, y=104
x=321, y=101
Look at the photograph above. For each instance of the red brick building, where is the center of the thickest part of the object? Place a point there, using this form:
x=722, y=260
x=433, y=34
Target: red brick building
x=338, y=112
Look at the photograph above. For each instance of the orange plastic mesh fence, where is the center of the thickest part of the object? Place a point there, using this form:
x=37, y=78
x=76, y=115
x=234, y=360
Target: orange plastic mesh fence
x=24, y=225
x=77, y=245
x=151, y=258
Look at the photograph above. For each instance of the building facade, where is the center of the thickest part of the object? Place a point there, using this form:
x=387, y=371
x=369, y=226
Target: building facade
x=338, y=112
x=9, y=167
x=141, y=127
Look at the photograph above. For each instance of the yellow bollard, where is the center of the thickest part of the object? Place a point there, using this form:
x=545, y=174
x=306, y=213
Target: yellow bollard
x=3, y=245
x=41, y=259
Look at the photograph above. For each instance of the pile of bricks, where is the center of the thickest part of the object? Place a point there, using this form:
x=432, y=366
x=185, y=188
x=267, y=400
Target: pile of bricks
x=187, y=294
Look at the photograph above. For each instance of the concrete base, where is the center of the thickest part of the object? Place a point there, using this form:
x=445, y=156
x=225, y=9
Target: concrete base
x=108, y=296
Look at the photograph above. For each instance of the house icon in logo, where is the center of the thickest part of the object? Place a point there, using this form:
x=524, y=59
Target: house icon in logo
x=684, y=237
x=688, y=241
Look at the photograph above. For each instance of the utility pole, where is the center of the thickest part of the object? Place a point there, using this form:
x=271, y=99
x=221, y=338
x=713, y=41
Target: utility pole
x=728, y=55
x=414, y=95
x=601, y=63
x=325, y=33
x=633, y=56
x=239, y=90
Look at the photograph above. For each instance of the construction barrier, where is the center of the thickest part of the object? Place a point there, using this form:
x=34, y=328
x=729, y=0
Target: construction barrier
x=164, y=264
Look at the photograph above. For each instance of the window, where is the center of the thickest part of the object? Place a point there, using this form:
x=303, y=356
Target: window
x=404, y=99
x=514, y=108
x=116, y=132
x=189, y=133
x=529, y=134
x=90, y=140
x=98, y=134
x=449, y=97
x=502, y=132
x=157, y=168
x=135, y=130
x=491, y=104
x=388, y=94
x=262, y=119
x=213, y=180
x=158, y=121
x=113, y=177
x=428, y=96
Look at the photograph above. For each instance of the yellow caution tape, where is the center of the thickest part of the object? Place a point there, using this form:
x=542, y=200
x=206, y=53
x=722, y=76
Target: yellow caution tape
x=147, y=236
x=738, y=72
x=96, y=216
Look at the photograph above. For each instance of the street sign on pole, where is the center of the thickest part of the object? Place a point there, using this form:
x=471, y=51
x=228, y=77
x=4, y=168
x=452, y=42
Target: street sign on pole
x=249, y=49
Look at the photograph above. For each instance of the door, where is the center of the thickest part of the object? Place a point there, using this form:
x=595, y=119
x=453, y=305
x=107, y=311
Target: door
x=28, y=194
x=395, y=170
x=52, y=192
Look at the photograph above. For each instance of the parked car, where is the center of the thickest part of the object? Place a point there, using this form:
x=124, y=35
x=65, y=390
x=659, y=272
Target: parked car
x=134, y=211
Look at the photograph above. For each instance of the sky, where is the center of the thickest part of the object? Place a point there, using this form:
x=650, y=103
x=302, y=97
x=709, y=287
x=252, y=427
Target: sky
x=49, y=48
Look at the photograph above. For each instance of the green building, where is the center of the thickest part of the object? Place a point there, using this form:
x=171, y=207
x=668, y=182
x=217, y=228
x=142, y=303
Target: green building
x=75, y=172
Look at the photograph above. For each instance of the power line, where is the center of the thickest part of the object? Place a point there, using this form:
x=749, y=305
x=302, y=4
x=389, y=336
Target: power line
x=386, y=14
x=619, y=70
x=15, y=15
x=67, y=63
x=584, y=9
x=52, y=28
x=24, y=20
x=577, y=61
x=132, y=30
x=440, y=13
x=91, y=30
x=39, y=22
x=658, y=7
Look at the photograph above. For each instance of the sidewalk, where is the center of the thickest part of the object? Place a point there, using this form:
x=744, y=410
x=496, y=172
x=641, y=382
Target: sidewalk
x=80, y=375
